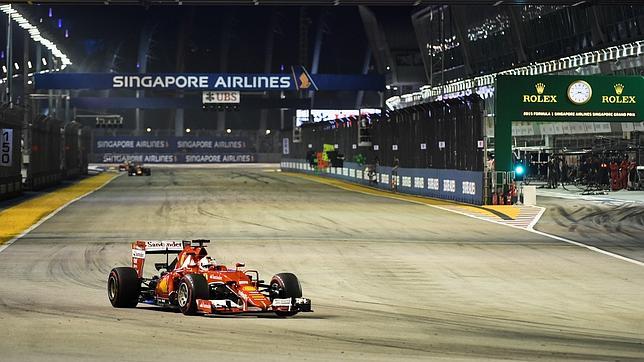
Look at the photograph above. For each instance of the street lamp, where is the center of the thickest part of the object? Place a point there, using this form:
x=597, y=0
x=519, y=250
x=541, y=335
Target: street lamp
x=149, y=129
x=228, y=130
x=188, y=130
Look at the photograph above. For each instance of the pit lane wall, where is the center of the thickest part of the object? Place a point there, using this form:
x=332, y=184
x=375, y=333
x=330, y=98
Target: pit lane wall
x=455, y=185
x=10, y=152
x=39, y=154
x=58, y=151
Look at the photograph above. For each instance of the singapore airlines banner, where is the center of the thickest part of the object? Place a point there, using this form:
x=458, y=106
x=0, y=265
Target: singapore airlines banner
x=297, y=79
x=172, y=150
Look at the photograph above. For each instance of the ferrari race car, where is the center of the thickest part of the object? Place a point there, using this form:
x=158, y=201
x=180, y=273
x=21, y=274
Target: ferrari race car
x=138, y=170
x=195, y=284
x=125, y=166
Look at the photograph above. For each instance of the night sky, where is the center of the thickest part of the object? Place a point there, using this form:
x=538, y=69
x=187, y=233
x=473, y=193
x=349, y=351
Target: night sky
x=192, y=38
x=96, y=33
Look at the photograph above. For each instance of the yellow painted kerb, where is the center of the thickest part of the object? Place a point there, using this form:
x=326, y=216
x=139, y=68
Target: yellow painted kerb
x=18, y=218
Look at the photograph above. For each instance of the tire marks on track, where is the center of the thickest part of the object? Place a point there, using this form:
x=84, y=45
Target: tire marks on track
x=204, y=212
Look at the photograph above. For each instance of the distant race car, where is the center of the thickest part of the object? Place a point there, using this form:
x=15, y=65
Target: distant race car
x=195, y=284
x=125, y=166
x=137, y=169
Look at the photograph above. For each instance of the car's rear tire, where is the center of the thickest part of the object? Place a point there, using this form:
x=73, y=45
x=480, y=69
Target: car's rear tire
x=123, y=287
x=285, y=285
x=191, y=288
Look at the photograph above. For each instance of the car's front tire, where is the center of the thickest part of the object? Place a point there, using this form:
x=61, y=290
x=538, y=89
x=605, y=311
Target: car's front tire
x=285, y=285
x=123, y=287
x=191, y=288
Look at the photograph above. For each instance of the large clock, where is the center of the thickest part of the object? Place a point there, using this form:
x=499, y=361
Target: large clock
x=580, y=92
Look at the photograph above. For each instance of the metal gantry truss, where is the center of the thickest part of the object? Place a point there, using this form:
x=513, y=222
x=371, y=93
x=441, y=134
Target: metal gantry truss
x=484, y=85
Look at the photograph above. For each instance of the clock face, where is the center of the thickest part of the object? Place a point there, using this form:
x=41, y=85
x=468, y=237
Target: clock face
x=579, y=92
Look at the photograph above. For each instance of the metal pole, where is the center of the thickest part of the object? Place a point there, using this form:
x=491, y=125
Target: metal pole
x=26, y=103
x=9, y=61
x=282, y=125
x=431, y=50
x=442, y=40
x=67, y=113
x=50, y=92
x=25, y=70
x=37, y=106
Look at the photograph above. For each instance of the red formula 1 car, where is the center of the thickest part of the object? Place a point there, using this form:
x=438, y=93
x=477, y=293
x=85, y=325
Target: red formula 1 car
x=195, y=284
x=124, y=166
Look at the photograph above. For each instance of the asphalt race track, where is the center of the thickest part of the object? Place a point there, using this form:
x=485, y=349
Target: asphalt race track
x=389, y=280
x=615, y=227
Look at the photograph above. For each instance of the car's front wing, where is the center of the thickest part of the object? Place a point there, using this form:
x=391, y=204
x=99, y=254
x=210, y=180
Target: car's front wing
x=227, y=306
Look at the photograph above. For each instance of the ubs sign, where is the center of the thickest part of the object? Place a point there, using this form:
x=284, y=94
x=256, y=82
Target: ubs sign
x=211, y=97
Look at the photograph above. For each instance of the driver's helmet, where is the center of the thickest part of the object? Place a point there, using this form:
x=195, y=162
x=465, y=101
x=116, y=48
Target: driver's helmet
x=206, y=262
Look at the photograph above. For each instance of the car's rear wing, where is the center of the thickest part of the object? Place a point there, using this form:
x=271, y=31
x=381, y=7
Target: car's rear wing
x=142, y=247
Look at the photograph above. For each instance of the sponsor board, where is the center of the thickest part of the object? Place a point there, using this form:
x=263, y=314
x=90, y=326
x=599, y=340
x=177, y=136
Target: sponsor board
x=162, y=245
x=469, y=188
x=6, y=147
x=297, y=79
x=449, y=185
x=177, y=158
x=231, y=158
x=148, y=158
x=149, y=149
x=145, y=144
x=459, y=185
x=211, y=97
x=432, y=184
x=419, y=182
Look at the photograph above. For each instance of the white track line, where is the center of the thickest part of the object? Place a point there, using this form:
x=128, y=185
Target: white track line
x=589, y=247
x=537, y=218
x=530, y=227
x=52, y=214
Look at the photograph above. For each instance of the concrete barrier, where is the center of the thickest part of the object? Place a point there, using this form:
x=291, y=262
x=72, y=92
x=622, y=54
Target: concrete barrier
x=10, y=153
x=456, y=185
x=530, y=195
x=44, y=166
